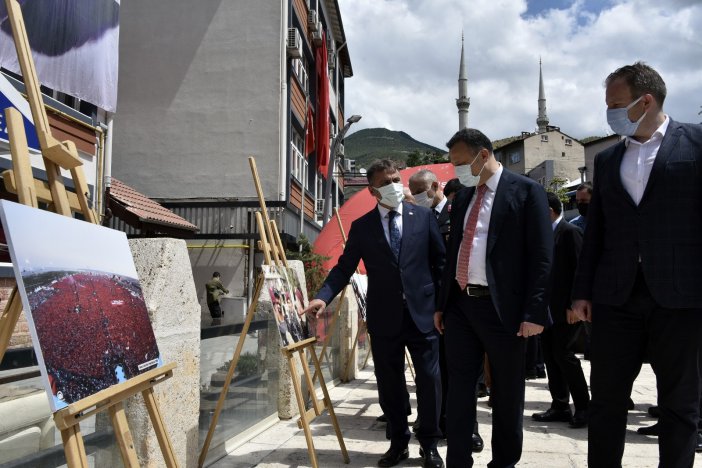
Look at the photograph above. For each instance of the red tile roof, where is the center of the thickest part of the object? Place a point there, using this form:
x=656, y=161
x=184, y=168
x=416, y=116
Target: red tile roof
x=147, y=210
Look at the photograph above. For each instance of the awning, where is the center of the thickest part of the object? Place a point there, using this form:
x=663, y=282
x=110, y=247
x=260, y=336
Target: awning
x=146, y=215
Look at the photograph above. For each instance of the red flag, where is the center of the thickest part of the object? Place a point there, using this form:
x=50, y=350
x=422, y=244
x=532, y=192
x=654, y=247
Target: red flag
x=309, y=132
x=322, y=139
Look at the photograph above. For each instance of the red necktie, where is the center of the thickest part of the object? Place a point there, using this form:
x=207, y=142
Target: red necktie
x=467, y=242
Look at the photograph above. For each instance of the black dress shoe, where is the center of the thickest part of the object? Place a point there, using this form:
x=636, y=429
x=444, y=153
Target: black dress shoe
x=553, y=415
x=478, y=444
x=382, y=418
x=431, y=458
x=579, y=419
x=540, y=373
x=394, y=456
x=654, y=412
x=698, y=444
x=649, y=430
x=482, y=391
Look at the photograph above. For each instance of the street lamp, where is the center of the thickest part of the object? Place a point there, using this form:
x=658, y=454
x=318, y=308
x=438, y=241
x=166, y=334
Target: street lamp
x=330, y=170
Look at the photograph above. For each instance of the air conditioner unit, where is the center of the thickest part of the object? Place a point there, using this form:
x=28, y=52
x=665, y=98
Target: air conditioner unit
x=313, y=21
x=294, y=43
x=331, y=60
x=317, y=36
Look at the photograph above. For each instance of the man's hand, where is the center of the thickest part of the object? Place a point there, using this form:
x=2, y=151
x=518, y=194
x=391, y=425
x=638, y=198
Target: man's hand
x=582, y=309
x=316, y=307
x=439, y=321
x=527, y=329
x=571, y=317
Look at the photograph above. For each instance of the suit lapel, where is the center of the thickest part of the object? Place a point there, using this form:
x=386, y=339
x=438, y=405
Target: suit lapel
x=500, y=208
x=670, y=139
x=617, y=158
x=409, y=225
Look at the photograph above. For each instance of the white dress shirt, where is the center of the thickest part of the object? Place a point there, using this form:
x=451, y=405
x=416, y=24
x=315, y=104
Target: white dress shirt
x=384, y=216
x=555, y=223
x=477, y=273
x=638, y=161
x=440, y=206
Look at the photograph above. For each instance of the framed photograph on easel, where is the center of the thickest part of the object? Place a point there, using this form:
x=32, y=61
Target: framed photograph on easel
x=83, y=301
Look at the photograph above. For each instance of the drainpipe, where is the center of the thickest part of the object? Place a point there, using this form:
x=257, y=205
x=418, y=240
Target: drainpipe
x=283, y=108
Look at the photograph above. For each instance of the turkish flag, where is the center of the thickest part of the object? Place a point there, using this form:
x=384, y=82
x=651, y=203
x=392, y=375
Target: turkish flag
x=322, y=108
x=309, y=132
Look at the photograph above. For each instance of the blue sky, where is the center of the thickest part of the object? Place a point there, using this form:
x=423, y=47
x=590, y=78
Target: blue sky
x=405, y=56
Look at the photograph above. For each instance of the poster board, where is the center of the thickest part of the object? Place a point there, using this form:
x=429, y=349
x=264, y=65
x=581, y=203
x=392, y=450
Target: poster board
x=83, y=301
x=286, y=295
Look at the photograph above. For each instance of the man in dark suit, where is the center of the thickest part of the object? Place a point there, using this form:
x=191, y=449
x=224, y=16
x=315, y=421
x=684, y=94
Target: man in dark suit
x=425, y=187
x=493, y=295
x=639, y=275
x=403, y=252
x=565, y=374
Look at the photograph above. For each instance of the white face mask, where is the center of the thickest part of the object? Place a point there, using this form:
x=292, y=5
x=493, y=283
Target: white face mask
x=465, y=176
x=618, y=120
x=423, y=199
x=391, y=194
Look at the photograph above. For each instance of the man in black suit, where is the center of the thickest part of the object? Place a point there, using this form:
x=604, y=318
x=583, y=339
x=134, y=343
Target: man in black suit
x=404, y=253
x=565, y=374
x=425, y=187
x=493, y=295
x=639, y=275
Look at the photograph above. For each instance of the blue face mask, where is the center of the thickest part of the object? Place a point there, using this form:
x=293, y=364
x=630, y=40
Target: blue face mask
x=618, y=120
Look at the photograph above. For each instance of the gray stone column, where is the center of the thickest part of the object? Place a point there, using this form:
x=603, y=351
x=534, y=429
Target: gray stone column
x=166, y=280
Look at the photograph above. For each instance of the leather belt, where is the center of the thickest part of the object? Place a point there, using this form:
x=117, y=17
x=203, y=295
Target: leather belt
x=477, y=290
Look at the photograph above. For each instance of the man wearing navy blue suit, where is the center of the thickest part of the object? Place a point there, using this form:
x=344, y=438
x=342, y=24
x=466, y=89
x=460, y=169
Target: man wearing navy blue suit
x=640, y=270
x=493, y=294
x=403, y=253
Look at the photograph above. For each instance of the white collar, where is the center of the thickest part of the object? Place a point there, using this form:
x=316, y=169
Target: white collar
x=384, y=211
x=657, y=135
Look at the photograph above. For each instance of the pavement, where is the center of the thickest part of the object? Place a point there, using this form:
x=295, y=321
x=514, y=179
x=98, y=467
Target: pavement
x=356, y=406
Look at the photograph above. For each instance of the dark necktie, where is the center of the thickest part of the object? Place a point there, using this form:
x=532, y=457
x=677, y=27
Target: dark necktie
x=395, y=236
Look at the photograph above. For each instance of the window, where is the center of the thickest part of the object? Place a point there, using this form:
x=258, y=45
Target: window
x=544, y=138
x=568, y=142
x=319, y=196
x=515, y=157
x=563, y=154
x=300, y=69
x=299, y=162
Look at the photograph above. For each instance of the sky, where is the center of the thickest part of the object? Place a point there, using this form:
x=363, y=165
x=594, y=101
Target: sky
x=63, y=243
x=405, y=56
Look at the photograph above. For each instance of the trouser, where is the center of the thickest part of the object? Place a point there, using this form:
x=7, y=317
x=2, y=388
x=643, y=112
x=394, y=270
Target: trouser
x=622, y=336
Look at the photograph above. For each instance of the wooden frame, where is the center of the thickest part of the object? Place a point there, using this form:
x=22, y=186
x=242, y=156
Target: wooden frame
x=274, y=254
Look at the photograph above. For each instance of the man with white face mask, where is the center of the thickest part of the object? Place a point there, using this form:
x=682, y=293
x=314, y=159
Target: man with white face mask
x=403, y=253
x=640, y=269
x=493, y=294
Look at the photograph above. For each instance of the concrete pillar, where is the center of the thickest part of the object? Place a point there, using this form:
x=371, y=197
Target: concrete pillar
x=166, y=280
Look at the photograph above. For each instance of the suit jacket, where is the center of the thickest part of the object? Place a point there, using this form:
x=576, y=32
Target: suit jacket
x=567, y=242
x=416, y=275
x=444, y=221
x=664, y=231
x=519, y=250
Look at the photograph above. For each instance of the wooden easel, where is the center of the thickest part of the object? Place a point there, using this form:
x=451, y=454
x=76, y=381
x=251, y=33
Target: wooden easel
x=274, y=255
x=58, y=155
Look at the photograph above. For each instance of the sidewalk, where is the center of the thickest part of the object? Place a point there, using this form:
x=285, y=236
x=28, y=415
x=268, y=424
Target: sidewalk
x=356, y=406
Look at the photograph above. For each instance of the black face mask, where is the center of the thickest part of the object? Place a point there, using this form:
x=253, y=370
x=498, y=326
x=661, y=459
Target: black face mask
x=582, y=209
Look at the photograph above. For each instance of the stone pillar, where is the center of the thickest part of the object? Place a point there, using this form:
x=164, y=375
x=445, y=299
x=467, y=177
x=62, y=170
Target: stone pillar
x=348, y=328
x=166, y=280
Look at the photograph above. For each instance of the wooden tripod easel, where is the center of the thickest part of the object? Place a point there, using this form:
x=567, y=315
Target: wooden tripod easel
x=58, y=155
x=274, y=254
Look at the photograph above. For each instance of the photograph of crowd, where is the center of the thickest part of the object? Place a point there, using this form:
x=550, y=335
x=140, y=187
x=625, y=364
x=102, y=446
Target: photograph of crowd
x=284, y=288
x=89, y=322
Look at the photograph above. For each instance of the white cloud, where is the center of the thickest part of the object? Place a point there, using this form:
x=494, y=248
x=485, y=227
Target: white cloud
x=405, y=56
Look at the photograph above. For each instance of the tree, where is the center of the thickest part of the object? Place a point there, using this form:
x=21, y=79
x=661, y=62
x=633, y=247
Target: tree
x=416, y=158
x=557, y=186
